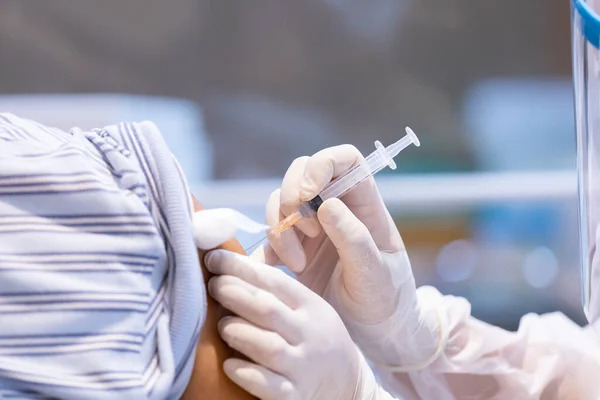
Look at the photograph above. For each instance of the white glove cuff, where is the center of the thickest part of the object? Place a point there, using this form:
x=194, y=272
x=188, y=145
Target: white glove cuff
x=442, y=323
x=412, y=339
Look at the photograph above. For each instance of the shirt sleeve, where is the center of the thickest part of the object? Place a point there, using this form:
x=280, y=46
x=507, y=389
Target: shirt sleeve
x=171, y=205
x=101, y=293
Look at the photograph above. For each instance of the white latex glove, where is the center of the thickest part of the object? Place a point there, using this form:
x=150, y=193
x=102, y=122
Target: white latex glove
x=321, y=349
x=354, y=257
x=298, y=346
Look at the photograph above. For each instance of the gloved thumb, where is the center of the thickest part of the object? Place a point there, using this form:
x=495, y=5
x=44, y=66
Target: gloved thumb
x=214, y=227
x=370, y=278
x=362, y=264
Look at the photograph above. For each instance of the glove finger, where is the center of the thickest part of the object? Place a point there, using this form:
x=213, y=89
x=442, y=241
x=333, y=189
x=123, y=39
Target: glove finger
x=364, y=200
x=266, y=255
x=271, y=280
x=326, y=165
x=364, y=274
x=290, y=196
x=260, y=345
x=287, y=244
x=255, y=306
x=258, y=380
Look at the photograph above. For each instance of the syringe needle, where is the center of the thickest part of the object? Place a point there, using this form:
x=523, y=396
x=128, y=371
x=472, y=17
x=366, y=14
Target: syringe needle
x=284, y=224
x=255, y=245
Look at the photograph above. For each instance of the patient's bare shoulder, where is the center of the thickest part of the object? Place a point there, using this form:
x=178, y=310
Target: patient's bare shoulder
x=208, y=380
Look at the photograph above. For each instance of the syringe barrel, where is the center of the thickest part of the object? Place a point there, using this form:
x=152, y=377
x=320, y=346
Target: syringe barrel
x=343, y=184
x=375, y=162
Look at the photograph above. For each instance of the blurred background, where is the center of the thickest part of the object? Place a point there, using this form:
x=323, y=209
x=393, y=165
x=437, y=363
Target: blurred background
x=487, y=205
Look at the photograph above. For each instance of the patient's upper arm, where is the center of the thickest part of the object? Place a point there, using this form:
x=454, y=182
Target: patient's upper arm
x=208, y=380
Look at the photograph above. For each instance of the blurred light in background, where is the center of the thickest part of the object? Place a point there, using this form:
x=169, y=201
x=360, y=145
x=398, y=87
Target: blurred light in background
x=181, y=122
x=373, y=20
x=540, y=267
x=457, y=260
x=486, y=205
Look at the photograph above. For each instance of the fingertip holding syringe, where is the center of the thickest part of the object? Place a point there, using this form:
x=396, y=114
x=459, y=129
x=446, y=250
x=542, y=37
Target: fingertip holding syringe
x=369, y=166
x=287, y=222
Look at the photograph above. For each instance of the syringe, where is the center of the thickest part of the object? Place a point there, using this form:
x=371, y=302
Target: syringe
x=372, y=164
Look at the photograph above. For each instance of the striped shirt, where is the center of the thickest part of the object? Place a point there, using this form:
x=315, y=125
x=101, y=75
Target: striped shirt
x=101, y=293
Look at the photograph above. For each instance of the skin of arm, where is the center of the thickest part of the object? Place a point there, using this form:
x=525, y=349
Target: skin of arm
x=208, y=381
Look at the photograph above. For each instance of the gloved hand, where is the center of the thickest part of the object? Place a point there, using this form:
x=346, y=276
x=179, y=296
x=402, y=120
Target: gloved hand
x=353, y=256
x=317, y=361
x=298, y=346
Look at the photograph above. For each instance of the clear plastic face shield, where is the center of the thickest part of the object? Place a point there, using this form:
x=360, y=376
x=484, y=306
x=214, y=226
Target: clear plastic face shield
x=586, y=75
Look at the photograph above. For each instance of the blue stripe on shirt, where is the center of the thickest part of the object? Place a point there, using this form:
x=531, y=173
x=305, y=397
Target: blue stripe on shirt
x=83, y=204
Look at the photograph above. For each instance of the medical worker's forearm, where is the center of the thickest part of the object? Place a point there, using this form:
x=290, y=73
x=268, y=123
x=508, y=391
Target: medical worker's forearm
x=549, y=357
